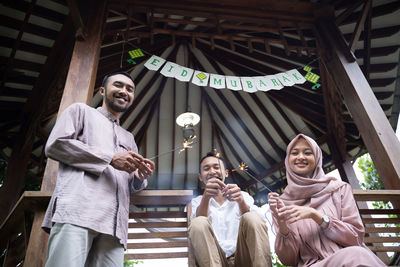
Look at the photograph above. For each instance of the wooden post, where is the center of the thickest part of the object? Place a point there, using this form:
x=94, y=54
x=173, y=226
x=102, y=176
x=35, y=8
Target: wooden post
x=371, y=121
x=78, y=88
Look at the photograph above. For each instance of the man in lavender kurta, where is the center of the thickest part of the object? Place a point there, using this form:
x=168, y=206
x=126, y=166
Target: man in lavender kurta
x=99, y=168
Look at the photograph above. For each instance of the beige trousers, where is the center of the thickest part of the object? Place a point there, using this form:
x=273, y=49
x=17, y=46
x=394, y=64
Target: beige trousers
x=252, y=247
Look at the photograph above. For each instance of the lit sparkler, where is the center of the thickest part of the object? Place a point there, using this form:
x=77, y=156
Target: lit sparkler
x=185, y=145
x=243, y=167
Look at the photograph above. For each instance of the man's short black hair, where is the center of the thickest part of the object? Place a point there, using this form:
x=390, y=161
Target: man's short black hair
x=211, y=154
x=103, y=84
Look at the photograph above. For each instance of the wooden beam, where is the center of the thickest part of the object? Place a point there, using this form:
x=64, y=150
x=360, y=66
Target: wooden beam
x=359, y=26
x=84, y=60
x=171, y=181
x=368, y=115
x=81, y=32
x=394, y=117
x=367, y=42
x=284, y=10
x=34, y=29
x=339, y=19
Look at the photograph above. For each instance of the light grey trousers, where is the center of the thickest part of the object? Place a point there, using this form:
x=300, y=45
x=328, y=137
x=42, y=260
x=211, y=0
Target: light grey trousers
x=74, y=246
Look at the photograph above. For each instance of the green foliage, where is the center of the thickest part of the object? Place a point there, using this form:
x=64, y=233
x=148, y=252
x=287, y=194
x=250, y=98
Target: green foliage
x=373, y=182
x=275, y=260
x=131, y=263
x=371, y=176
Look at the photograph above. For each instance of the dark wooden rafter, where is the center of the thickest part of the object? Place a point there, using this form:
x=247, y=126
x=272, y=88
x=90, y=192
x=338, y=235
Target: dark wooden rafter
x=346, y=13
x=285, y=117
x=396, y=102
x=144, y=91
x=81, y=31
x=150, y=114
x=31, y=28
x=282, y=37
x=37, y=10
x=10, y=61
x=239, y=120
x=242, y=11
x=273, y=122
x=367, y=42
x=257, y=164
x=360, y=25
x=187, y=108
x=255, y=67
x=171, y=181
x=45, y=84
x=218, y=132
x=310, y=115
x=157, y=160
x=377, y=11
x=253, y=117
x=303, y=40
x=200, y=134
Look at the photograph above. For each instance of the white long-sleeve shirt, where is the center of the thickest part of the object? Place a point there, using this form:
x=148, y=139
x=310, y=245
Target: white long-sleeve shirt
x=224, y=220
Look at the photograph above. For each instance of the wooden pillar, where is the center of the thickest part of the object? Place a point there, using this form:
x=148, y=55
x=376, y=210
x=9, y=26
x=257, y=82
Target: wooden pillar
x=78, y=88
x=371, y=121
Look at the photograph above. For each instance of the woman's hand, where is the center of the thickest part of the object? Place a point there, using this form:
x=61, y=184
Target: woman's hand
x=276, y=205
x=294, y=213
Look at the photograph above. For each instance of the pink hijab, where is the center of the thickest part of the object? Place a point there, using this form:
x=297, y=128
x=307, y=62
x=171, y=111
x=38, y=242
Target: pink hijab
x=315, y=189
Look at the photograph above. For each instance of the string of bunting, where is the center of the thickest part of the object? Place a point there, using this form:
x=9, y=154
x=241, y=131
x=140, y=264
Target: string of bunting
x=247, y=84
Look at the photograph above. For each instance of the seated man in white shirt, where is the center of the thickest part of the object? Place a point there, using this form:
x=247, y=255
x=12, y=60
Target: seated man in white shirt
x=225, y=230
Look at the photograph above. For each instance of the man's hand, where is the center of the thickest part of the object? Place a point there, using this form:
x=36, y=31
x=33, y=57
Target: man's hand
x=233, y=193
x=144, y=173
x=213, y=186
x=130, y=161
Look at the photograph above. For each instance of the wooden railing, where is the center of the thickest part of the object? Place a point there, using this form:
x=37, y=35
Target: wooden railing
x=154, y=210
x=16, y=228
x=377, y=236
x=160, y=219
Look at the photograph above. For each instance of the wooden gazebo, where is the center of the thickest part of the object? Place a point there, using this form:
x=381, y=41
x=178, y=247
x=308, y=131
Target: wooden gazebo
x=56, y=52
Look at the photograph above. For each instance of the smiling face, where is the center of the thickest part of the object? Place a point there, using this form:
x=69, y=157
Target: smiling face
x=212, y=167
x=118, y=94
x=301, y=158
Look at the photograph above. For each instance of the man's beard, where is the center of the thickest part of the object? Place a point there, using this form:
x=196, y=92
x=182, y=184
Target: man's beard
x=115, y=106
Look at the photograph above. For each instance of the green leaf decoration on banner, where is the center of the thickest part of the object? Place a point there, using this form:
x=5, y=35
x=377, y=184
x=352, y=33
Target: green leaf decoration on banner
x=201, y=77
x=136, y=53
x=312, y=77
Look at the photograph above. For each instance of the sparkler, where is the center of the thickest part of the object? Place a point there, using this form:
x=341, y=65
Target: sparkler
x=185, y=145
x=243, y=167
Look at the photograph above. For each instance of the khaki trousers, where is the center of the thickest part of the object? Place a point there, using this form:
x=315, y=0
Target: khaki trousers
x=252, y=247
x=74, y=246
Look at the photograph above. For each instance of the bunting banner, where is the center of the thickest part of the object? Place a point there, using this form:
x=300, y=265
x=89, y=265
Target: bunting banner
x=247, y=84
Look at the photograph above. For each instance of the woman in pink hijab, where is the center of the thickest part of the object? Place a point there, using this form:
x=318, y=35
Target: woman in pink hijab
x=316, y=218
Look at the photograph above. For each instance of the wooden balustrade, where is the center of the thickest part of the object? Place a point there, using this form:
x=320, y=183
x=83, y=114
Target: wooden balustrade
x=380, y=230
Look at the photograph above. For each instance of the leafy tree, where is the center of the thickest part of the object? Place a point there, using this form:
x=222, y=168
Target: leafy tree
x=373, y=182
x=131, y=263
x=371, y=176
x=275, y=260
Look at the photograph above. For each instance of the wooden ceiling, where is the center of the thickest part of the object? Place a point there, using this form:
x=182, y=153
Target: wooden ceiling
x=225, y=37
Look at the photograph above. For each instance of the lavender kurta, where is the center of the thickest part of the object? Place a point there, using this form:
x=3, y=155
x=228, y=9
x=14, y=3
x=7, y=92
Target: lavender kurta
x=89, y=192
